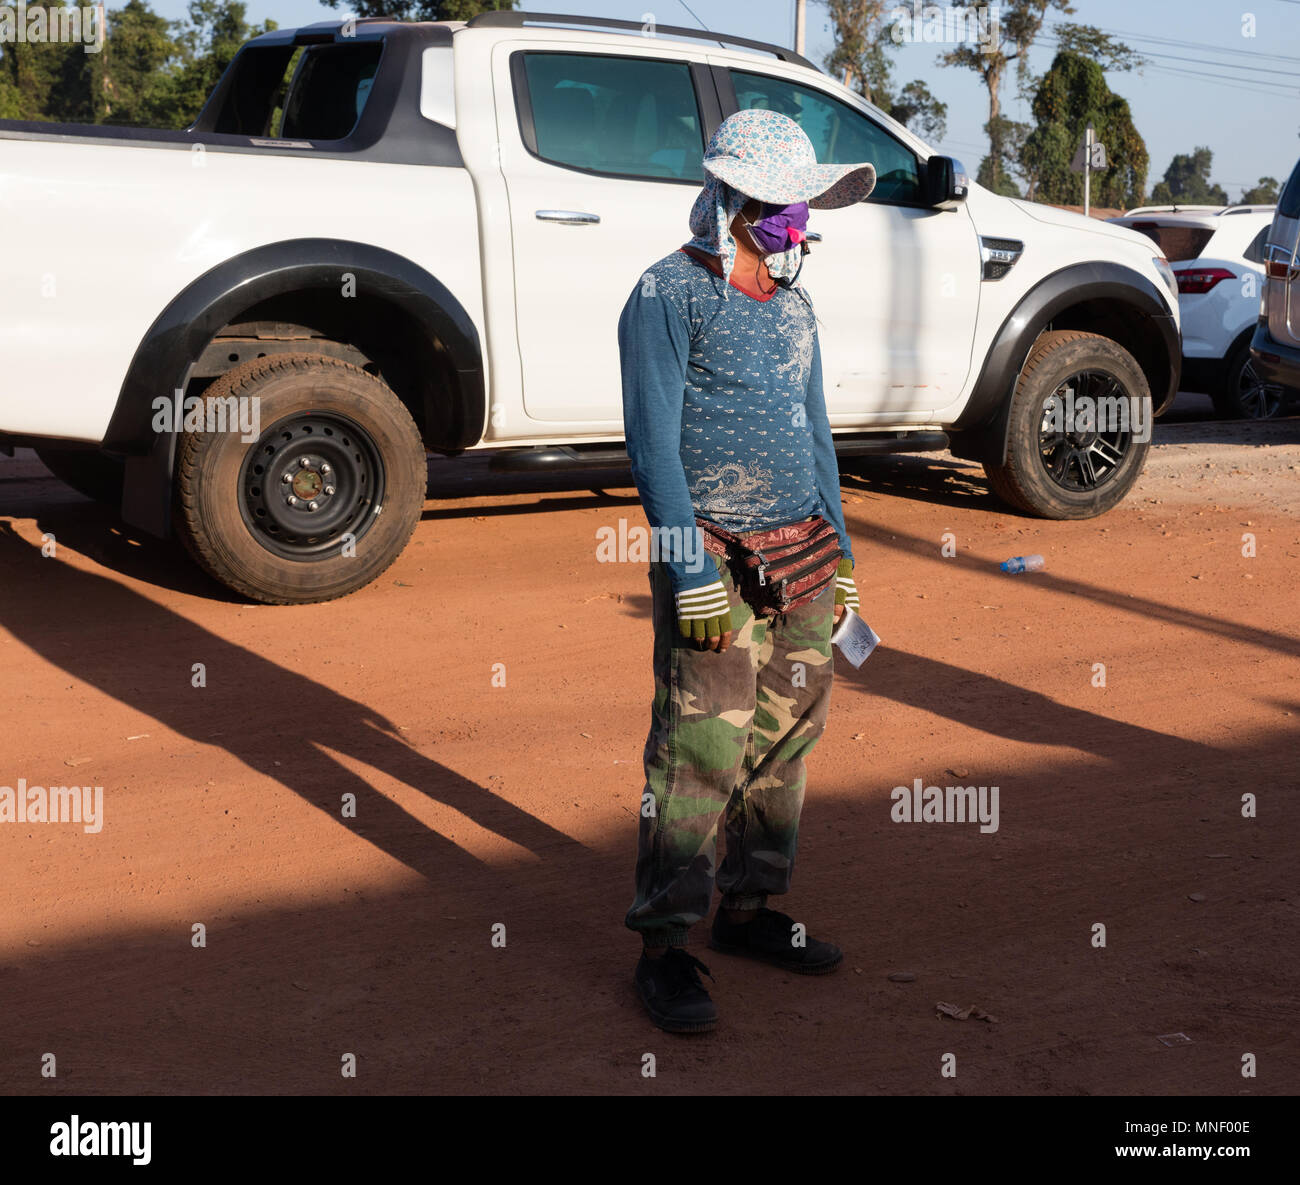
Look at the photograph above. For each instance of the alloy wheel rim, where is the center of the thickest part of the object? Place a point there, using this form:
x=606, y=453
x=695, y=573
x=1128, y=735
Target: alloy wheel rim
x=1082, y=459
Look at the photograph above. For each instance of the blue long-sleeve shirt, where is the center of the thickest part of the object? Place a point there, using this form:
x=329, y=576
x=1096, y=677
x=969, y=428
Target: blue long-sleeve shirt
x=723, y=409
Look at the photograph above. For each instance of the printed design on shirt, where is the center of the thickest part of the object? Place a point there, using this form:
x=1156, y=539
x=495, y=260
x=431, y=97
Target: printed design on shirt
x=792, y=360
x=733, y=491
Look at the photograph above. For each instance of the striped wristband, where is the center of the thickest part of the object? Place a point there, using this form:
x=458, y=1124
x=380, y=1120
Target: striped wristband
x=846, y=592
x=699, y=604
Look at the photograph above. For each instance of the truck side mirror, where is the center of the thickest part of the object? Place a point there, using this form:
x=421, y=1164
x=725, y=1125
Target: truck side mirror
x=946, y=182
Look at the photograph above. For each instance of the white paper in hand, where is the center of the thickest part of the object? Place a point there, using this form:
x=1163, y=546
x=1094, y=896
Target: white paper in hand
x=855, y=638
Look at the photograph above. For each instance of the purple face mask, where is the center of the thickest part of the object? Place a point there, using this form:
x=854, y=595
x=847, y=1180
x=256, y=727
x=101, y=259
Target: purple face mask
x=780, y=227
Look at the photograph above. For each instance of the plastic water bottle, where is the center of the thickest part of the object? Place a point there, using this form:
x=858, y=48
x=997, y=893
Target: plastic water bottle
x=1022, y=563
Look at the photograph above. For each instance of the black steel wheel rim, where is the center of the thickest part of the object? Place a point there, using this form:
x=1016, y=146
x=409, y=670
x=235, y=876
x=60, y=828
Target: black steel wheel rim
x=1082, y=457
x=312, y=483
x=1257, y=399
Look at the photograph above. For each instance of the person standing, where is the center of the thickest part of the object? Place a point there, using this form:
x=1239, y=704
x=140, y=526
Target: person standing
x=731, y=450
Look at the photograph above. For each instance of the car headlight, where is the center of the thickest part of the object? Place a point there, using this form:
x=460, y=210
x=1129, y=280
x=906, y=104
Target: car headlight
x=1167, y=274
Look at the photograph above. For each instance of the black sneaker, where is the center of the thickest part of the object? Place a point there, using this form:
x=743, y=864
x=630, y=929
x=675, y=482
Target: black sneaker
x=672, y=993
x=769, y=937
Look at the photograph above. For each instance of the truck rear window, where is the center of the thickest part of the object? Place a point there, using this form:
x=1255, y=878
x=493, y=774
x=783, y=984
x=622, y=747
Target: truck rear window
x=1176, y=241
x=310, y=93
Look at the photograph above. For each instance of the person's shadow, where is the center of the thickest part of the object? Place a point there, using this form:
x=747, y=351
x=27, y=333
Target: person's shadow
x=142, y=654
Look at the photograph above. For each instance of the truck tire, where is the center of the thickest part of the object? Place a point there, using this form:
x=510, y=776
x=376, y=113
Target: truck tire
x=1244, y=395
x=1061, y=474
x=93, y=474
x=295, y=516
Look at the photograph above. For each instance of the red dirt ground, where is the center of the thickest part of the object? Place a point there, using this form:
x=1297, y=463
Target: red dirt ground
x=480, y=805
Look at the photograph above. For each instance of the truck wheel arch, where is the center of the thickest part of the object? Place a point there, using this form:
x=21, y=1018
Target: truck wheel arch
x=181, y=332
x=165, y=357
x=1098, y=296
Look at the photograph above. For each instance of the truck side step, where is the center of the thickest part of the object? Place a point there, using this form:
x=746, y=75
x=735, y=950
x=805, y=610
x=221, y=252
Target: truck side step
x=866, y=444
x=559, y=459
x=566, y=458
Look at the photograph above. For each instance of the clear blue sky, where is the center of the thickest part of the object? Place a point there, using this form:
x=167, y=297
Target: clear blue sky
x=1249, y=114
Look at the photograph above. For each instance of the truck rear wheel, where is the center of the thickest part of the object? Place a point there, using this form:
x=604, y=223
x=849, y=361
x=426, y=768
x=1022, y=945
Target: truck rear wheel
x=321, y=502
x=1062, y=462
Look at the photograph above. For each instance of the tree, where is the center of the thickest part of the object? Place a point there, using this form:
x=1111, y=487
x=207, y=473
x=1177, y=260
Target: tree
x=44, y=80
x=422, y=10
x=1264, y=194
x=1090, y=42
x=1005, y=39
x=216, y=30
x=1187, y=182
x=1072, y=94
x=916, y=108
x=861, y=60
x=130, y=81
x=997, y=173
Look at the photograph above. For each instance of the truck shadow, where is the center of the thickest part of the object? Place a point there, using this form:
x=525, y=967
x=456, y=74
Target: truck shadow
x=141, y=653
x=409, y=981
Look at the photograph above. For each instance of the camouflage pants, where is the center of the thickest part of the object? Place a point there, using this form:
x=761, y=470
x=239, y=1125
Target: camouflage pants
x=728, y=733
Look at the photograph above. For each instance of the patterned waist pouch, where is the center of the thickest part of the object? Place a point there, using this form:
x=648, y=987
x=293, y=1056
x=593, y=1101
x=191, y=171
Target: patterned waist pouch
x=779, y=568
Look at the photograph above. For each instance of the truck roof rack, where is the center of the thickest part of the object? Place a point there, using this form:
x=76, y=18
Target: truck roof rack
x=511, y=19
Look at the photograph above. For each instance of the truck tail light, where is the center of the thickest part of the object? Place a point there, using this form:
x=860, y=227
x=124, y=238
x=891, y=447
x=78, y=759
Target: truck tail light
x=1197, y=281
x=1278, y=263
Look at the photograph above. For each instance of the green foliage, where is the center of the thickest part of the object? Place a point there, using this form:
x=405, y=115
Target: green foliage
x=1006, y=136
x=916, y=108
x=1187, y=182
x=1017, y=28
x=1264, y=194
x=216, y=30
x=1073, y=94
x=422, y=10
x=1090, y=42
x=997, y=179
x=130, y=81
x=43, y=80
x=151, y=71
x=861, y=60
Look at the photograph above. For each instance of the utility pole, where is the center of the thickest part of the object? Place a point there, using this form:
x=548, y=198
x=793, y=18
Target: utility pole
x=1091, y=158
x=1087, y=172
x=800, y=17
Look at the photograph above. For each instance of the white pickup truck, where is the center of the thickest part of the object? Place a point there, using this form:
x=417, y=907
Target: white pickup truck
x=383, y=238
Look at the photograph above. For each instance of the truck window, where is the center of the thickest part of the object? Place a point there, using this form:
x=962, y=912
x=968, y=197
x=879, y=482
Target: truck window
x=314, y=93
x=329, y=90
x=621, y=116
x=841, y=135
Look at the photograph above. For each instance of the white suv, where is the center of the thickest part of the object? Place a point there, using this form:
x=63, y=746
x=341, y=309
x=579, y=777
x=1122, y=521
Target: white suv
x=1217, y=253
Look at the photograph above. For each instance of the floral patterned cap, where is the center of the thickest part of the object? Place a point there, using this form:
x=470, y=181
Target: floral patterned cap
x=762, y=154
x=766, y=155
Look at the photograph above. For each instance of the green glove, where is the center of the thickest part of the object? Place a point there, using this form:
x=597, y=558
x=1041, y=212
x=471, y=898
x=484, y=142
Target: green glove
x=846, y=592
x=704, y=612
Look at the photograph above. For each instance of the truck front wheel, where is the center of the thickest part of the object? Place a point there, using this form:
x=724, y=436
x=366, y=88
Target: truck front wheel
x=1078, y=430
x=304, y=482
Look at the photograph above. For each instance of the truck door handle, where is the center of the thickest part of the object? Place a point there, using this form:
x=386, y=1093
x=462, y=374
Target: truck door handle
x=568, y=217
